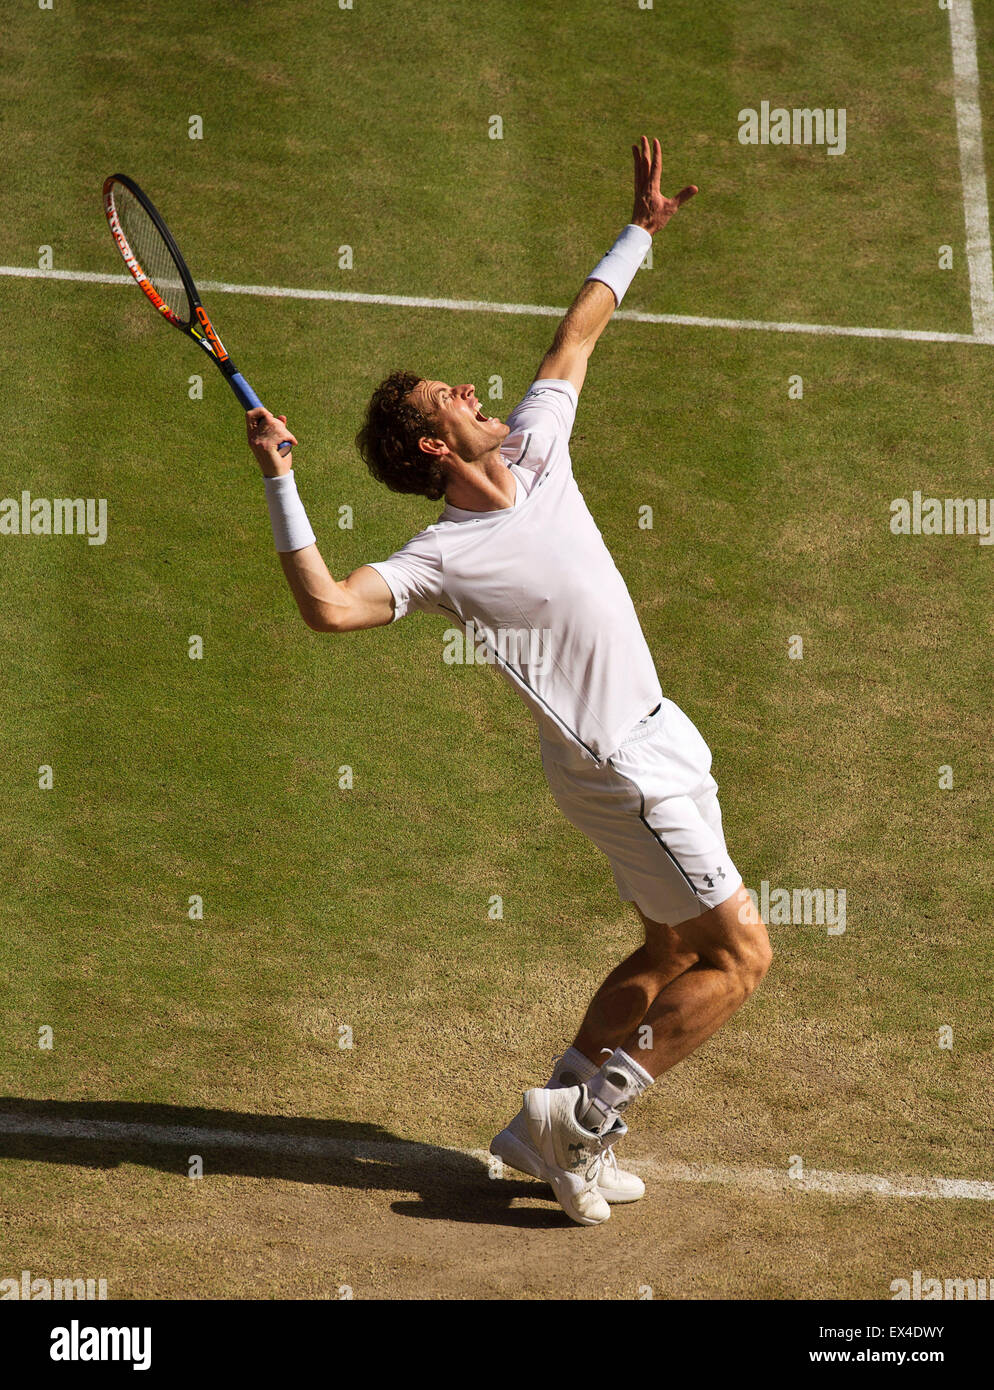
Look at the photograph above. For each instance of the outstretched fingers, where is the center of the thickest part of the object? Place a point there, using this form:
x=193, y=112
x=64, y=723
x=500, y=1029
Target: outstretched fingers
x=653, y=209
x=643, y=162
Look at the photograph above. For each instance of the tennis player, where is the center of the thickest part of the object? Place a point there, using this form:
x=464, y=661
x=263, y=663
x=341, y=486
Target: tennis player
x=516, y=558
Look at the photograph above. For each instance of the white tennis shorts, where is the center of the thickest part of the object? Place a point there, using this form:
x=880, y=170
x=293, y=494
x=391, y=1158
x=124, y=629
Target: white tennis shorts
x=652, y=808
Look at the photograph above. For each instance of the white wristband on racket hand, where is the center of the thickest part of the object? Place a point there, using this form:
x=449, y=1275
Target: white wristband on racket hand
x=617, y=269
x=291, y=529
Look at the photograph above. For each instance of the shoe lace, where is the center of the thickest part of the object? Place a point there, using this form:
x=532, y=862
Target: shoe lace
x=608, y=1158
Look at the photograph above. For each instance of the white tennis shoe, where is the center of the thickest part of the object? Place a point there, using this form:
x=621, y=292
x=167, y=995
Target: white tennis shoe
x=570, y=1157
x=513, y=1146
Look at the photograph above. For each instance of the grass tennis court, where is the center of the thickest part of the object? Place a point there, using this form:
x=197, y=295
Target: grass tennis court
x=367, y=907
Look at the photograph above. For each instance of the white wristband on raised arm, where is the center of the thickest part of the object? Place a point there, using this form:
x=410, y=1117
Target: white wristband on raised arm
x=617, y=269
x=291, y=529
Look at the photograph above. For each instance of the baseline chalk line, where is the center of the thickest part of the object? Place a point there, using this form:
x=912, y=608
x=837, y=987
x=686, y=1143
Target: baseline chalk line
x=483, y=306
x=767, y=1180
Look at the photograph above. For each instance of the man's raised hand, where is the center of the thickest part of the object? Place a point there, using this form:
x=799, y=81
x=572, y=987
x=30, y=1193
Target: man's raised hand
x=266, y=432
x=652, y=209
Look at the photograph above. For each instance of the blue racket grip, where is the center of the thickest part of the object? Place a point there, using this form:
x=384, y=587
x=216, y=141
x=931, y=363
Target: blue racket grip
x=250, y=400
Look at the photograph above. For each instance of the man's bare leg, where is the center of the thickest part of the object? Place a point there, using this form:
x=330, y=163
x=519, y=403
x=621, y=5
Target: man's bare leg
x=625, y=997
x=682, y=985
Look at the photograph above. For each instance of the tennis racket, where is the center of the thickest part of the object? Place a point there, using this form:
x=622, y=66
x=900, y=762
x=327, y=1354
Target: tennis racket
x=155, y=261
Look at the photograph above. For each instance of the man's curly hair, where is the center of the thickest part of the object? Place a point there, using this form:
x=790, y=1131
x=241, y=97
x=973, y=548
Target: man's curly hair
x=388, y=440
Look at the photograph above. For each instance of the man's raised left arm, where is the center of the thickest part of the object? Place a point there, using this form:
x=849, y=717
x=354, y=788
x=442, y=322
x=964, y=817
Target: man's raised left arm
x=605, y=286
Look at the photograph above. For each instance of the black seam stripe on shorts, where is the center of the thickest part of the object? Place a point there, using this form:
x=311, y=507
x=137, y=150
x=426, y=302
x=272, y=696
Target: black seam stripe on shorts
x=655, y=834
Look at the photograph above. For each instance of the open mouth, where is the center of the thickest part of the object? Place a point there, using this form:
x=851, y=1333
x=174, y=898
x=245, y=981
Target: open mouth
x=483, y=419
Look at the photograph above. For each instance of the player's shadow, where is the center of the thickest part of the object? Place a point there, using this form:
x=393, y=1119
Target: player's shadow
x=447, y=1184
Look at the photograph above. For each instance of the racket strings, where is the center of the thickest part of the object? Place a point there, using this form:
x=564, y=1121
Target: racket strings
x=152, y=252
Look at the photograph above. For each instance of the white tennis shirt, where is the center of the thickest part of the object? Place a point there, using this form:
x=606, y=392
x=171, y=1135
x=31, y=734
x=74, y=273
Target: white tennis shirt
x=539, y=587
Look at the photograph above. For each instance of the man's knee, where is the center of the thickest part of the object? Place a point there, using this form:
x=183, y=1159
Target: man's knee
x=748, y=954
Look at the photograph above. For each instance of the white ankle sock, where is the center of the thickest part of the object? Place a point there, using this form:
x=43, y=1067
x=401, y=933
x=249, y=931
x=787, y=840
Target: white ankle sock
x=571, y=1069
x=619, y=1081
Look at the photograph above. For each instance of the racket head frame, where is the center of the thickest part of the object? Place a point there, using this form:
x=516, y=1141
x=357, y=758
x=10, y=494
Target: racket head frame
x=199, y=326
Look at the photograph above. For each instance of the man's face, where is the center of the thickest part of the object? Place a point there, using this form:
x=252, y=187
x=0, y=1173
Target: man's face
x=458, y=420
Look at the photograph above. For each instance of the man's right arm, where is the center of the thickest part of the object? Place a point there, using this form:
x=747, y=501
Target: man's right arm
x=362, y=600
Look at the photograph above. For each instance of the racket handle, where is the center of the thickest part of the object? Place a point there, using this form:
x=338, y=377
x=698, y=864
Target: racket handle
x=244, y=392
x=250, y=400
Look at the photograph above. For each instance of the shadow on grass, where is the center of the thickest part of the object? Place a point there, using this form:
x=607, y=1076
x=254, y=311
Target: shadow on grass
x=449, y=1185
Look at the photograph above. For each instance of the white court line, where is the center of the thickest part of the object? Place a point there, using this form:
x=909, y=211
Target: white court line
x=969, y=133
x=483, y=306
x=768, y=1180
x=775, y=1180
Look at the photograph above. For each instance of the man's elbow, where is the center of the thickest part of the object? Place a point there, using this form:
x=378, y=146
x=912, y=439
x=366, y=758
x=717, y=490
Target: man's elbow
x=324, y=618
